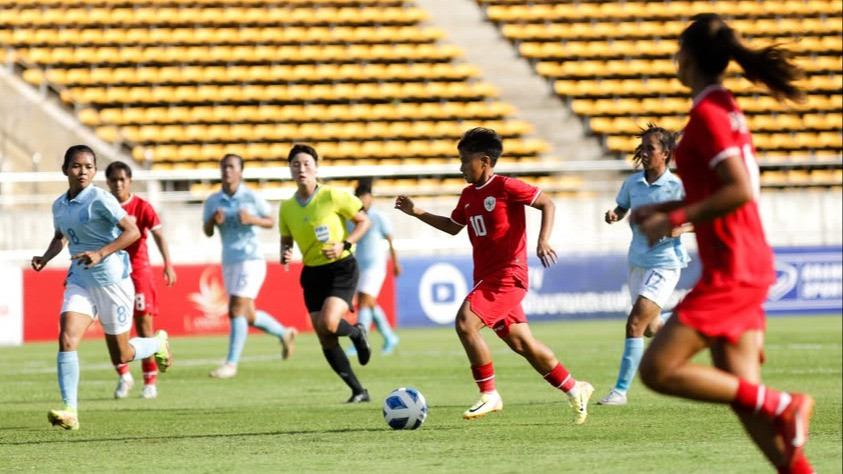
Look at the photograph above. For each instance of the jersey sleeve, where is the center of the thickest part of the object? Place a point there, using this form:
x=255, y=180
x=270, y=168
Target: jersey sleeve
x=262, y=206
x=717, y=133
x=520, y=192
x=208, y=209
x=385, y=225
x=347, y=204
x=106, y=206
x=623, y=199
x=283, y=226
x=150, y=218
x=458, y=214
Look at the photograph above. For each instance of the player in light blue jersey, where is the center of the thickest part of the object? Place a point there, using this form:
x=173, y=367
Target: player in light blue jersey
x=98, y=284
x=653, y=271
x=235, y=211
x=372, y=262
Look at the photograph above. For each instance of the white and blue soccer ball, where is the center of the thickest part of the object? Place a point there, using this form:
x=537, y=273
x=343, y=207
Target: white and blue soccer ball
x=404, y=409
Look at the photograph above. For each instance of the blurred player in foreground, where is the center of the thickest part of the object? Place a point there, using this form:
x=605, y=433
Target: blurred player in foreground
x=98, y=283
x=653, y=271
x=315, y=219
x=373, y=266
x=724, y=311
x=492, y=206
x=235, y=210
x=119, y=178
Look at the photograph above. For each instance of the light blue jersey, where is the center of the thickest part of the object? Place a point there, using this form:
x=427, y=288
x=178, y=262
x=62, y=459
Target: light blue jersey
x=636, y=192
x=89, y=222
x=239, y=241
x=370, y=252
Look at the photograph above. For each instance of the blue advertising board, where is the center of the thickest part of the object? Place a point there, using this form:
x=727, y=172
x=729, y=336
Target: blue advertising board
x=431, y=289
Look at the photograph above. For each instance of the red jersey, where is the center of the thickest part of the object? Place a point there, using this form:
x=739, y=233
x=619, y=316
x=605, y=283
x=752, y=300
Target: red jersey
x=497, y=229
x=732, y=248
x=146, y=219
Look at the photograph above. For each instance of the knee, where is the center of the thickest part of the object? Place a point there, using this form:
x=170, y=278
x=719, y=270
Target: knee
x=652, y=375
x=66, y=343
x=634, y=327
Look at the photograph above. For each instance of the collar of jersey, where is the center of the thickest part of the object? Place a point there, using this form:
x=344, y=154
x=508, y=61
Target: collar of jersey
x=83, y=194
x=662, y=179
x=705, y=92
x=487, y=182
x=309, y=198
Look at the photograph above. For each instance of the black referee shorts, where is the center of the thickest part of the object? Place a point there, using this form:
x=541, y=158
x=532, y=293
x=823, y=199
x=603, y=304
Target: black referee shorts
x=334, y=279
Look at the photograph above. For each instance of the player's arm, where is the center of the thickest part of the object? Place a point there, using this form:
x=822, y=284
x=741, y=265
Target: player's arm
x=735, y=191
x=161, y=242
x=286, y=250
x=543, y=249
x=616, y=214
x=445, y=224
x=53, y=249
x=362, y=223
x=396, y=267
x=130, y=234
x=216, y=218
x=267, y=222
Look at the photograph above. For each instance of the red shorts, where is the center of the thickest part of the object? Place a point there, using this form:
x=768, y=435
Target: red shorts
x=146, y=299
x=720, y=311
x=498, y=305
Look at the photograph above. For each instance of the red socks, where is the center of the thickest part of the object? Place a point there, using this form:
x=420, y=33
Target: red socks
x=484, y=377
x=122, y=369
x=560, y=378
x=760, y=399
x=150, y=372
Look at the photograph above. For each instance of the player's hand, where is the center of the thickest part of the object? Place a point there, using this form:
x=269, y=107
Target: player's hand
x=655, y=226
x=244, y=217
x=219, y=216
x=38, y=262
x=332, y=250
x=169, y=275
x=396, y=269
x=405, y=205
x=611, y=216
x=89, y=258
x=546, y=254
x=286, y=256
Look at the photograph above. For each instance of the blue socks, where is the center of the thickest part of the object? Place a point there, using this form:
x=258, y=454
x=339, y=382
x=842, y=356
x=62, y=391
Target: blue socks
x=67, y=365
x=383, y=325
x=145, y=346
x=633, y=350
x=266, y=323
x=364, y=317
x=237, y=338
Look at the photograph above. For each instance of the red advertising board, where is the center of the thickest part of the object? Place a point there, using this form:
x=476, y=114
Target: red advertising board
x=196, y=305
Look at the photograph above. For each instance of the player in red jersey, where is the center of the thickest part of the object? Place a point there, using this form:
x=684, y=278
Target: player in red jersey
x=492, y=207
x=119, y=178
x=724, y=310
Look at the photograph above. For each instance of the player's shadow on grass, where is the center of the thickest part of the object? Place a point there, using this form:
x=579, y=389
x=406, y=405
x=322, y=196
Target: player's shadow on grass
x=135, y=437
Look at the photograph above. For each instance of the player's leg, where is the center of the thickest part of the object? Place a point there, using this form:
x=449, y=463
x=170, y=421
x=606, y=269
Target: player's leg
x=520, y=339
x=72, y=327
x=742, y=360
x=145, y=328
x=650, y=289
x=237, y=283
x=331, y=325
x=254, y=272
x=114, y=303
x=467, y=326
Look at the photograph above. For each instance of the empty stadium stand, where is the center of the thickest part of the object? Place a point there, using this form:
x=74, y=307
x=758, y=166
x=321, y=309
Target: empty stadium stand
x=181, y=82
x=612, y=61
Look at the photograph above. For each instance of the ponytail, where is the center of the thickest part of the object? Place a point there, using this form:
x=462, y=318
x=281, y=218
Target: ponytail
x=713, y=43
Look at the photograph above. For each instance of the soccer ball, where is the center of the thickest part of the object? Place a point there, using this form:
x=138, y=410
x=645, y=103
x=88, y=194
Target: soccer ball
x=404, y=409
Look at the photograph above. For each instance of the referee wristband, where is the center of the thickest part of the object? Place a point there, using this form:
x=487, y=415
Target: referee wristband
x=677, y=217
x=346, y=245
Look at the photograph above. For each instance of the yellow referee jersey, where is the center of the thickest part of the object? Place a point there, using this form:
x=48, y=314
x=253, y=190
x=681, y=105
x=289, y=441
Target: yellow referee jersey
x=321, y=220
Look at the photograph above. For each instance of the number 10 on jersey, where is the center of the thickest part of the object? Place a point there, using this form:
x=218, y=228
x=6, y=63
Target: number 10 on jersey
x=478, y=224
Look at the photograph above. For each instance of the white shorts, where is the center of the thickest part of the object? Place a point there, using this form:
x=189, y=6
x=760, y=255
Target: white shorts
x=655, y=284
x=244, y=279
x=371, y=279
x=112, y=304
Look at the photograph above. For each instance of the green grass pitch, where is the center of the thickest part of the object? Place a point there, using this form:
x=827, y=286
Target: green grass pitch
x=290, y=416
